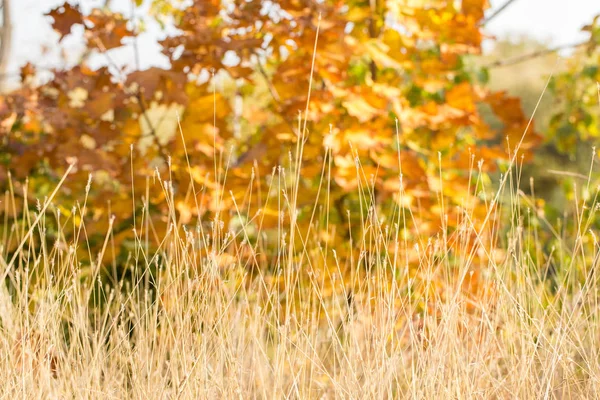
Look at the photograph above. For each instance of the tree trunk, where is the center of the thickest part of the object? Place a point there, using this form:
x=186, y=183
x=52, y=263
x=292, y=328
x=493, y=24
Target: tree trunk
x=5, y=41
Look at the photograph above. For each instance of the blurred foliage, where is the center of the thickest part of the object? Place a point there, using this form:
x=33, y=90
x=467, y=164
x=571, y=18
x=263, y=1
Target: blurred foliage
x=567, y=113
x=577, y=93
x=560, y=199
x=240, y=77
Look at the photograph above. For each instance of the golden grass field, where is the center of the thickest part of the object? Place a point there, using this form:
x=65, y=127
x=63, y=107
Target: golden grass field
x=193, y=326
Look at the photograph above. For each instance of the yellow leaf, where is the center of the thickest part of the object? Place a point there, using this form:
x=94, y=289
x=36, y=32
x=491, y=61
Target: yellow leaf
x=360, y=109
x=461, y=97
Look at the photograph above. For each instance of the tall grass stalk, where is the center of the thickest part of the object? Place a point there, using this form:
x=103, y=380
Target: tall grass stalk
x=220, y=323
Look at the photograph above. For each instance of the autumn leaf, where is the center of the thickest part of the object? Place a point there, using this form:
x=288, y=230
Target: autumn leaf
x=158, y=84
x=241, y=91
x=105, y=30
x=461, y=97
x=65, y=16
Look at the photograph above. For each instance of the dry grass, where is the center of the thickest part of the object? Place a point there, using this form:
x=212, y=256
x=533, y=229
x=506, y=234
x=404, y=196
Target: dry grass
x=192, y=325
x=486, y=310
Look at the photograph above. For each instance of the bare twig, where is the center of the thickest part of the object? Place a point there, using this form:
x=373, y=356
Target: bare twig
x=138, y=95
x=535, y=54
x=499, y=11
x=272, y=90
x=567, y=173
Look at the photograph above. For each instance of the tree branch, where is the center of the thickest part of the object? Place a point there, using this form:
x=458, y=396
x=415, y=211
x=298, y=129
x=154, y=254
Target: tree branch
x=535, y=54
x=272, y=90
x=499, y=11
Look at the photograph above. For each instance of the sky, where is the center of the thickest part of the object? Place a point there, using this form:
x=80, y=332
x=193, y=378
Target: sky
x=554, y=21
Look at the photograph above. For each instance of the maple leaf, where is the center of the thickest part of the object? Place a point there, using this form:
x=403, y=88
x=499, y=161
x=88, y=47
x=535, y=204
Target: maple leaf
x=105, y=30
x=159, y=84
x=65, y=16
x=461, y=97
x=27, y=72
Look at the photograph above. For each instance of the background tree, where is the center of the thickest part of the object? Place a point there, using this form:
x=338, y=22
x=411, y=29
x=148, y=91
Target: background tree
x=336, y=77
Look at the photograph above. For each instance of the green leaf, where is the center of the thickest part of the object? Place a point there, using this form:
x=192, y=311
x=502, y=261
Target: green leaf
x=483, y=76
